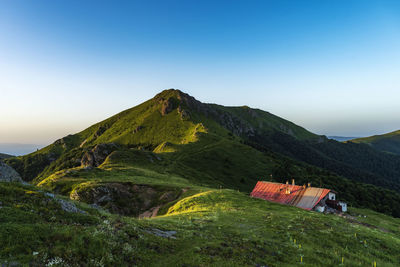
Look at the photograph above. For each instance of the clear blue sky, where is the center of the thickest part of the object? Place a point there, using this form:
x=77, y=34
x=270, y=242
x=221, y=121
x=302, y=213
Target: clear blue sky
x=330, y=66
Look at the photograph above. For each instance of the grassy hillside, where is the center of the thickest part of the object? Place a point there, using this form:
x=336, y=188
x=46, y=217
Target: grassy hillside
x=357, y=162
x=389, y=142
x=210, y=145
x=204, y=227
x=201, y=165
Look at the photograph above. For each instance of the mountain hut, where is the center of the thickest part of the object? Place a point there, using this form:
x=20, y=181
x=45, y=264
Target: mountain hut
x=305, y=197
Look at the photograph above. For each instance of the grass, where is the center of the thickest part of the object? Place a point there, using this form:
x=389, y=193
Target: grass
x=245, y=231
x=213, y=228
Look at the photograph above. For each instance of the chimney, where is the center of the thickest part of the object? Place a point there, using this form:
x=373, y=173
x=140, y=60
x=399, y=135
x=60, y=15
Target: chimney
x=292, y=181
x=309, y=184
x=287, y=182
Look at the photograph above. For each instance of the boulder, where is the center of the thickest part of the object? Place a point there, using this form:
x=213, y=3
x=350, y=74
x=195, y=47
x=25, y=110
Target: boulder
x=8, y=174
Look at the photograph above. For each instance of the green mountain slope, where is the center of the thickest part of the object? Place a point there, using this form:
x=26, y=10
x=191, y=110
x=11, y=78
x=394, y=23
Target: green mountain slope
x=166, y=184
x=389, y=142
x=169, y=120
x=174, y=135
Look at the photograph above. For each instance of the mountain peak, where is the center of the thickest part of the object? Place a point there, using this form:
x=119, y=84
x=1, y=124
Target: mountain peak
x=170, y=93
x=171, y=99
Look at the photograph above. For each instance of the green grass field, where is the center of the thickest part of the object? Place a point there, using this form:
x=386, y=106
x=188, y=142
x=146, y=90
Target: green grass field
x=213, y=228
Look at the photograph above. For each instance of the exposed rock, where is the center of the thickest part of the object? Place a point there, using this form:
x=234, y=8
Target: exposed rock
x=65, y=205
x=97, y=155
x=184, y=113
x=168, y=105
x=235, y=124
x=63, y=141
x=161, y=233
x=150, y=213
x=125, y=198
x=8, y=174
x=69, y=206
x=51, y=195
x=87, y=160
x=100, y=131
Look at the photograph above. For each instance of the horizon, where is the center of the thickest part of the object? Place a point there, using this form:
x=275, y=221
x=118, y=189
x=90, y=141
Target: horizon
x=330, y=67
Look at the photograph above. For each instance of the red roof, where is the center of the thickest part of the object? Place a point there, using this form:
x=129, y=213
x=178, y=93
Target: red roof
x=294, y=195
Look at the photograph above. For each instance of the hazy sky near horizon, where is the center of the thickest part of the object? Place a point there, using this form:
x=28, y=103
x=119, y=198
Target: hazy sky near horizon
x=332, y=67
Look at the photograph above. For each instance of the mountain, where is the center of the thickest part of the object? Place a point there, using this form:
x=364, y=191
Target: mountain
x=173, y=141
x=389, y=142
x=170, y=122
x=187, y=167
x=341, y=138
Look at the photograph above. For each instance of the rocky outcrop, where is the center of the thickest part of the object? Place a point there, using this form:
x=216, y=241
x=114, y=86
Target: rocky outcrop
x=97, y=155
x=63, y=142
x=100, y=131
x=8, y=174
x=184, y=113
x=161, y=233
x=67, y=206
x=168, y=105
x=126, y=198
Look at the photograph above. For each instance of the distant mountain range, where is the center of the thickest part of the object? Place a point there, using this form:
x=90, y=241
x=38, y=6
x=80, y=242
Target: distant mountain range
x=389, y=142
x=4, y=156
x=341, y=138
x=212, y=145
x=18, y=149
